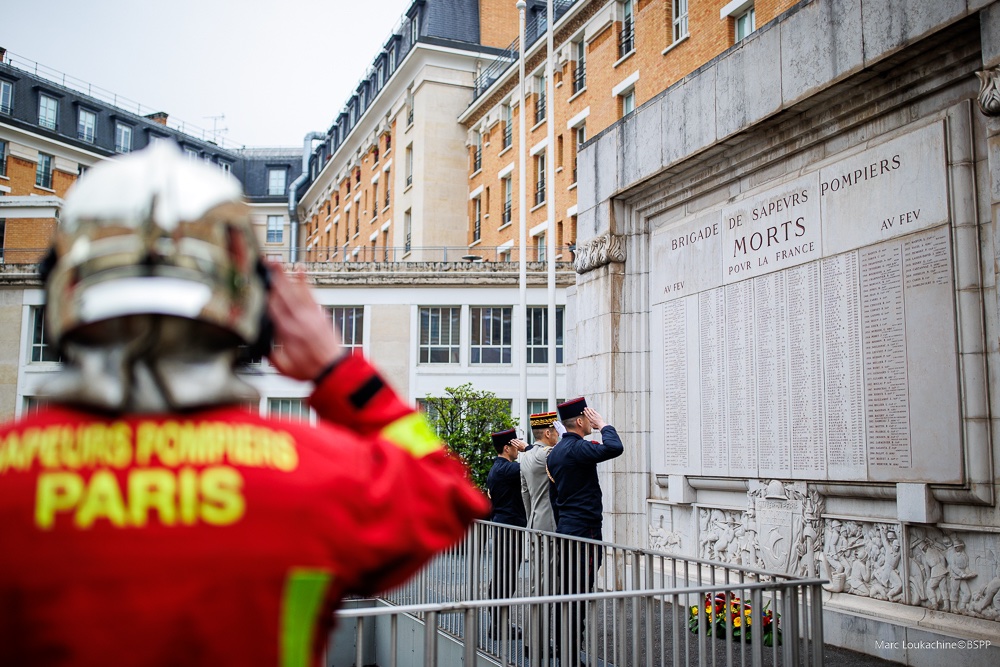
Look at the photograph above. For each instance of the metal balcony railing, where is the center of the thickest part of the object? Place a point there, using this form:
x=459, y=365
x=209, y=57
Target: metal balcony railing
x=626, y=41
x=539, y=192
x=508, y=134
x=534, y=29
x=506, y=213
x=540, y=109
x=580, y=77
x=477, y=159
x=477, y=230
x=521, y=597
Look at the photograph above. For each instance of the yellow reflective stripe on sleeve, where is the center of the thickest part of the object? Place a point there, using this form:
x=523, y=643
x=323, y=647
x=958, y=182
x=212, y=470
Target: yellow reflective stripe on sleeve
x=413, y=434
x=300, y=606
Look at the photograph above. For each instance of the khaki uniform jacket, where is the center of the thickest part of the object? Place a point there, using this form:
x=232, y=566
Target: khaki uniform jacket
x=535, y=488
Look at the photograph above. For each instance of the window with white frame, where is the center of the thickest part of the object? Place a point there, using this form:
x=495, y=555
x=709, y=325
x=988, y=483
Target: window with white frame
x=580, y=69
x=191, y=153
x=275, y=228
x=508, y=194
x=508, y=125
x=276, y=181
x=41, y=350
x=477, y=219
x=123, y=138
x=288, y=409
x=33, y=404
x=407, y=230
x=540, y=247
x=680, y=15
x=350, y=322
x=392, y=59
x=580, y=136
x=225, y=167
x=440, y=335
x=539, y=178
x=48, y=111
x=628, y=102
x=538, y=336
x=3, y=158
x=626, y=40
x=414, y=28
x=490, y=330
x=540, y=98
x=43, y=173
x=409, y=165
x=539, y=405
x=86, y=126
x=746, y=23
x=6, y=97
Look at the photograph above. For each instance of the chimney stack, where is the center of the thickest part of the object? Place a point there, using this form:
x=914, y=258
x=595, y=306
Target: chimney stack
x=158, y=117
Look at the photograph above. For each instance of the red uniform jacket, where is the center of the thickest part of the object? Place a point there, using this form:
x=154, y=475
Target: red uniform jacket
x=217, y=537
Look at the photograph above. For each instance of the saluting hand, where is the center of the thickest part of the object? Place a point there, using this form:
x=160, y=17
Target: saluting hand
x=519, y=445
x=596, y=420
x=305, y=340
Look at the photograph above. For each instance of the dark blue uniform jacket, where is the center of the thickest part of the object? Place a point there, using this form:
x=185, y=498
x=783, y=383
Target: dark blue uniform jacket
x=504, y=484
x=572, y=464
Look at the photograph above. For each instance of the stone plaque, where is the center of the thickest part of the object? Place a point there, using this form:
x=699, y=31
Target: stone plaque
x=813, y=364
x=894, y=188
x=775, y=230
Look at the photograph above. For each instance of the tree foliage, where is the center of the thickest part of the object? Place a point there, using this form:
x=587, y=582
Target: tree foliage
x=464, y=418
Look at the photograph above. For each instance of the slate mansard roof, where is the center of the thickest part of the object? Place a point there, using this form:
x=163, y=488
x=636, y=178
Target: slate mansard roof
x=250, y=166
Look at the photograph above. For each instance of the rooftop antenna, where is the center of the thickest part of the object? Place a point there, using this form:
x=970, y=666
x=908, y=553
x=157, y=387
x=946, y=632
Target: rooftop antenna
x=216, y=130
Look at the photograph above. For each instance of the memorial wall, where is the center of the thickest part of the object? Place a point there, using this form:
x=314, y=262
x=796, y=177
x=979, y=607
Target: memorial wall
x=809, y=329
x=789, y=307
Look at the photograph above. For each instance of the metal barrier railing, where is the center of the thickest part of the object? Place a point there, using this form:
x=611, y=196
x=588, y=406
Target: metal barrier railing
x=522, y=597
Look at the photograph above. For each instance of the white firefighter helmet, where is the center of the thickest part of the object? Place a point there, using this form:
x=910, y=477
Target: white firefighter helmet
x=155, y=233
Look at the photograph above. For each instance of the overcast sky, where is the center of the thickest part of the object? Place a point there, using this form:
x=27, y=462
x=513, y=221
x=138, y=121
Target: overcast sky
x=276, y=69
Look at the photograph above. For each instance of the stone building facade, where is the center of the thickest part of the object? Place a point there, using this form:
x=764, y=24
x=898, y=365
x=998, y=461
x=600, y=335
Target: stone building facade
x=786, y=288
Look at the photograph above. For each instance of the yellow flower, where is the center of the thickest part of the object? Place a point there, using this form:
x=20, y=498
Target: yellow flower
x=736, y=621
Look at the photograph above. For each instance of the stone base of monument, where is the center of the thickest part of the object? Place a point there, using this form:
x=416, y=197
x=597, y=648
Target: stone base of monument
x=909, y=635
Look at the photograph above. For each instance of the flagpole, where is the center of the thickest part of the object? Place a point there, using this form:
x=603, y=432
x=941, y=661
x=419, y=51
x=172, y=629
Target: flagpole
x=550, y=196
x=522, y=276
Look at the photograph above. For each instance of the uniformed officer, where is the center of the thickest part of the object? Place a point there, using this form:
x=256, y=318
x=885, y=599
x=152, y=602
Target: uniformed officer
x=504, y=486
x=572, y=466
x=534, y=480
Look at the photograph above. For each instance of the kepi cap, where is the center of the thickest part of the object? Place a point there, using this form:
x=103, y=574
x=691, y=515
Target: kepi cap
x=571, y=409
x=543, y=419
x=501, y=438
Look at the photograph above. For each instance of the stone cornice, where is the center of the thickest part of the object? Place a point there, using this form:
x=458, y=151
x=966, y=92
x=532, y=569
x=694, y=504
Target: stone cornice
x=391, y=274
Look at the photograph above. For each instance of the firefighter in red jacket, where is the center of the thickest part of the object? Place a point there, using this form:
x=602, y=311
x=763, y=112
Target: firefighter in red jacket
x=146, y=518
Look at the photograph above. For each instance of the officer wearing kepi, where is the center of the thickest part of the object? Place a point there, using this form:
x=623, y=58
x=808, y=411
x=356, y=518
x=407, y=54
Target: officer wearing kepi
x=534, y=480
x=504, y=486
x=146, y=517
x=572, y=467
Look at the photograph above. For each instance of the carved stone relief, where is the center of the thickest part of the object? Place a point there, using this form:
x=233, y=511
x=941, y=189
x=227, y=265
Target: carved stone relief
x=946, y=575
x=599, y=251
x=781, y=530
x=863, y=558
x=989, y=91
x=662, y=536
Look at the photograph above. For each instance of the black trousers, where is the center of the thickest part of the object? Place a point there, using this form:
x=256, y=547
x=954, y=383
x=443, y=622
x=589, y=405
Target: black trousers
x=579, y=563
x=508, y=552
